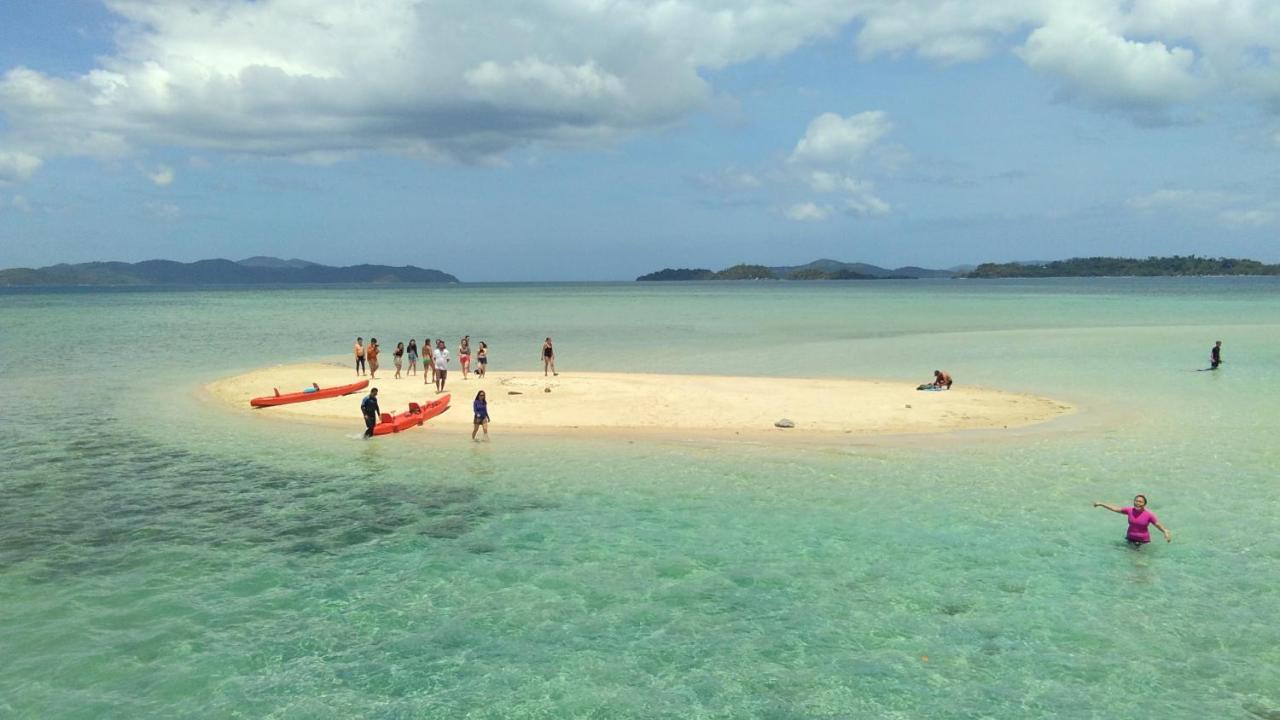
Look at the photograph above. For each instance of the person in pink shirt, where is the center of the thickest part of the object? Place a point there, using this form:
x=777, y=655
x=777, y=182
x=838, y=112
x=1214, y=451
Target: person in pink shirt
x=1139, y=518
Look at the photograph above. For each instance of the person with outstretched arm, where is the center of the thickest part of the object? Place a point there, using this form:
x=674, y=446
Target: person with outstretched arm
x=369, y=408
x=1139, y=518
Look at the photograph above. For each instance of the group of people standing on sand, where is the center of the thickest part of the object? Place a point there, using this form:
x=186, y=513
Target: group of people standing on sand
x=435, y=364
x=435, y=359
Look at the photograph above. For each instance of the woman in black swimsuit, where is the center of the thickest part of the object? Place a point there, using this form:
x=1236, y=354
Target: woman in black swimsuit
x=548, y=358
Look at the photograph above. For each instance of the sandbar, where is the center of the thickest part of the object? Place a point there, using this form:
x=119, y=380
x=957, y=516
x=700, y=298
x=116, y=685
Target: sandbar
x=700, y=405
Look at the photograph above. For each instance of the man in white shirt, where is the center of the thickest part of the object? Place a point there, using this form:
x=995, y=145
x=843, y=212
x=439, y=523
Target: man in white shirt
x=440, y=358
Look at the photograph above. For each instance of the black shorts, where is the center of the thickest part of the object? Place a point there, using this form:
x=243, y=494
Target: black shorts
x=360, y=362
x=481, y=419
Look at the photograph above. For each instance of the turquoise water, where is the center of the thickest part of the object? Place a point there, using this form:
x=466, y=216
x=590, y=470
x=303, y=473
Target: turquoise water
x=161, y=558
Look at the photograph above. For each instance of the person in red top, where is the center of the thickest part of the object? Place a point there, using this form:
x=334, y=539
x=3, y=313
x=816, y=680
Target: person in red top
x=371, y=352
x=1139, y=519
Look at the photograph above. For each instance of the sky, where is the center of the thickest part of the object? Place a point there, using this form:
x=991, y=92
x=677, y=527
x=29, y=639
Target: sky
x=603, y=139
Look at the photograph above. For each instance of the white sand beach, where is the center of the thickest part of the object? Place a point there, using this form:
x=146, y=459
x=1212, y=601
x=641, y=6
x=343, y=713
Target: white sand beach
x=691, y=404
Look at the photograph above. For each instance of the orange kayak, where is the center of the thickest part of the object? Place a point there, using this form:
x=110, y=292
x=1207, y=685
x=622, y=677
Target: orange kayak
x=285, y=399
x=415, y=416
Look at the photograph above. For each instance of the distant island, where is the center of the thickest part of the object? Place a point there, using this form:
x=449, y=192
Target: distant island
x=250, y=271
x=1177, y=265
x=817, y=270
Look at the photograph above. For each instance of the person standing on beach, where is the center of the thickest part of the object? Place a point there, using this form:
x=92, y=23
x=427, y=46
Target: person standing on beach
x=548, y=358
x=482, y=359
x=412, y=352
x=371, y=353
x=480, y=407
x=441, y=358
x=359, y=350
x=428, y=361
x=397, y=357
x=464, y=355
x=1139, y=518
x=1215, y=355
x=369, y=408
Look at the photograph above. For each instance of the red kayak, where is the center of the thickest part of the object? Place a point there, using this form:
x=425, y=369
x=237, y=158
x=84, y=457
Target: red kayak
x=416, y=415
x=313, y=394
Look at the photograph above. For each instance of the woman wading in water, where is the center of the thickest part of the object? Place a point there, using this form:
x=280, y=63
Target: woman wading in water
x=1139, y=518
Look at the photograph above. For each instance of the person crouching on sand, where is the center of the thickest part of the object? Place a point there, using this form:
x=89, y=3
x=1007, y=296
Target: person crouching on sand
x=481, y=409
x=1139, y=518
x=371, y=353
x=369, y=408
x=941, y=380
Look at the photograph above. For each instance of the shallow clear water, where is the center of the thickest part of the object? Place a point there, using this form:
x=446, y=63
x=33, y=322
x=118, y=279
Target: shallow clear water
x=162, y=558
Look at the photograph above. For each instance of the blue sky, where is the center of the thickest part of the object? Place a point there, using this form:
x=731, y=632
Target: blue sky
x=583, y=139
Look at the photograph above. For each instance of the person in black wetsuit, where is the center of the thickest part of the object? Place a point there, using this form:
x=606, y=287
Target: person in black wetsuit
x=1215, y=355
x=369, y=408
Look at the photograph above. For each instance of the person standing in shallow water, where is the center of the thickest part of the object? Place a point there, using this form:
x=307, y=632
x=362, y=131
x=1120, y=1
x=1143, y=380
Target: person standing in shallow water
x=1215, y=355
x=369, y=408
x=1139, y=518
x=480, y=407
x=548, y=358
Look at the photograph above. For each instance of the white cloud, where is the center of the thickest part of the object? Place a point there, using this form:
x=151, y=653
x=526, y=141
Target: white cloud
x=730, y=179
x=1145, y=58
x=1101, y=67
x=456, y=79
x=808, y=212
x=831, y=139
x=161, y=176
x=163, y=210
x=1236, y=212
x=859, y=196
x=17, y=166
x=1246, y=219
x=449, y=79
x=1173, y=199
x=821, y=158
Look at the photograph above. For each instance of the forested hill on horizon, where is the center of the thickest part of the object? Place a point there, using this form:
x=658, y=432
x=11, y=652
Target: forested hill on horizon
x=258, y=270
x=1177, y=265
x=823, y=269
x=1174, y=266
